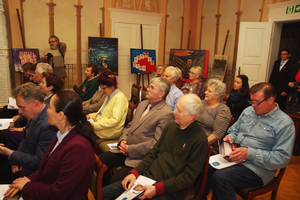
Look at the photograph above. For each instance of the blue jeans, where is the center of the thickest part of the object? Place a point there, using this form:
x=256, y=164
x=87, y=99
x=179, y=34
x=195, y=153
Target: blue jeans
x=223, y=182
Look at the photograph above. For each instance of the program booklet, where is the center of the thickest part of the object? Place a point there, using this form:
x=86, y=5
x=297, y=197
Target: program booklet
x=222, y=159
x=135, y=192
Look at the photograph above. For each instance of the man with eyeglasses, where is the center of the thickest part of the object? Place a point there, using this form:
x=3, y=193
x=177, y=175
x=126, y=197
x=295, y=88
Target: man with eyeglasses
x=266, y=136
x=280, y=75
x=55, y=55
x=140, y=135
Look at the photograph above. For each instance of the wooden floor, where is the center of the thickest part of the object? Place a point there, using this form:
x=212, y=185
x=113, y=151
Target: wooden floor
x=289, y=188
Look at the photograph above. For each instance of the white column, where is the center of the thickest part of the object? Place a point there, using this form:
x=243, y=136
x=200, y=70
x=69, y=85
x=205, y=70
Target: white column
x=5, y=81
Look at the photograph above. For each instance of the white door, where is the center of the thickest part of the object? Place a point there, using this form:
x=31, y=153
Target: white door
x=129, y=36
x=253, y=51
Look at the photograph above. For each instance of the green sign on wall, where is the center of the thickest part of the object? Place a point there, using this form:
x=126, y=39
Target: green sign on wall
x=289, y=9
x=297, y=8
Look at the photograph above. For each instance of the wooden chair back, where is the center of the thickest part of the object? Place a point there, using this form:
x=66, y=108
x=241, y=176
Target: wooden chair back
x=144, y=92
x=135, y=94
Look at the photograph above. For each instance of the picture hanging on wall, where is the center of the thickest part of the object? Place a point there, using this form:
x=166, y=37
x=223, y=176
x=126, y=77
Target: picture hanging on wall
x=187, y=58
x=22, y=56
x=103, y=52
x=218, y=70
x=142, y=60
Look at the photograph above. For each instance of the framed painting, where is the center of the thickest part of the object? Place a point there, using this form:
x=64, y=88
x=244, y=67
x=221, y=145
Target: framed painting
x=142, y=60
x=103, y=52
x=219, y=67
x=22, y=56
x=187, y=58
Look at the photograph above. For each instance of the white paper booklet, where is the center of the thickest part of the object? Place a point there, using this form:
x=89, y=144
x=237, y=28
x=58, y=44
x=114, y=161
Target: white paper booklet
x=4, y=123
x=134, y=191
x=12, y=104
x=113, y=145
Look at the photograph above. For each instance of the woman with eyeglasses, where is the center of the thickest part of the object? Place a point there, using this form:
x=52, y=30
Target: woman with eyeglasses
x=216, y=116
x=195, y=85
x=239, y=96
x=108, y=121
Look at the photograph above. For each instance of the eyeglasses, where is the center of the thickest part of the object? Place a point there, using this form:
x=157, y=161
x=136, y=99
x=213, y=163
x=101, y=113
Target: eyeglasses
x=52, y=41
x=257, y=104
x=102, y=88
x=151, y=87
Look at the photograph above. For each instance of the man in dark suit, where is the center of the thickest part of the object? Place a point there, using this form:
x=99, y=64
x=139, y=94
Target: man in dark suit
x=37, y=135
x=279, y=76
x=141, y=134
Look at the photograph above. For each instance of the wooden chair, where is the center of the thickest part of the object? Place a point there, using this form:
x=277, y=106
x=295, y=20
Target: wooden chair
x=95, y=191
x=144, y=92
x=135, y=94
x=251, y=193
x=203, y=175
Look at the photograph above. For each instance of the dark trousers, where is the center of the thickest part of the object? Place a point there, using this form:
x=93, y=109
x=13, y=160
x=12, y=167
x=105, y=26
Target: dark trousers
x=114, y=190
x=223, y=182
x=6, y=175
x=112, y=160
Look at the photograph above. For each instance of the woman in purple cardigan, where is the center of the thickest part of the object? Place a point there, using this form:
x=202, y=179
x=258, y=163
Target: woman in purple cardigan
x=67, y=167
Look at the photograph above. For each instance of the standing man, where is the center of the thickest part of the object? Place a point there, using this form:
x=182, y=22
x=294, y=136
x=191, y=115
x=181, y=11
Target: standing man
x=175, y=160
x=280, y=75
x=141, y=134
x=266, y=136
x=37, y=135
x=90, y=85
x=172, y=75
x=55, y=55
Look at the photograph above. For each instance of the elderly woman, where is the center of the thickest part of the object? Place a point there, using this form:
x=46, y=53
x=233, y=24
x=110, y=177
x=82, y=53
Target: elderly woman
x=109, y=121
x=67, y=167
x=216, y=116
x=195, y=85
x=51, y=84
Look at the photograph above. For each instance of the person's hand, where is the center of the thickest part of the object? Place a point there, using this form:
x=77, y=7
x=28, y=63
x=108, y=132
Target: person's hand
x=82, y=105
x=11, y=192
x=130, y=179
x=88, y=117
x=20, y=182
x=123, y=147
x=16, y=129
x=11, y=125
x=228, y=139
x=291, y=84
x=15, y=168
x=150, y=191
x=283, y=94
x=238, y=154
x=4, y=151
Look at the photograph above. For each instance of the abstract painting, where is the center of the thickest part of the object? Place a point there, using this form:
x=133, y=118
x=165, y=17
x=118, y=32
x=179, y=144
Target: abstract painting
x=22, y=56
x=103, y=52
x=142, y=60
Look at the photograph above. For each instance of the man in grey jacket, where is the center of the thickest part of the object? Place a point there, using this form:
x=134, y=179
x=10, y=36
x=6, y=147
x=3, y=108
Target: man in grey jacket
x=37, y=135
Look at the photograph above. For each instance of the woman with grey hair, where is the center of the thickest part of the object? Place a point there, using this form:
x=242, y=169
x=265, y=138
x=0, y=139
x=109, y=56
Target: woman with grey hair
x=216, y=115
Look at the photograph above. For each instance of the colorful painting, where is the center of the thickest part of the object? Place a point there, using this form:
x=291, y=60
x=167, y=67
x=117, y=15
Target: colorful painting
x=187, y=58
x=103, y=52
x=142, y=60
x=22, y=56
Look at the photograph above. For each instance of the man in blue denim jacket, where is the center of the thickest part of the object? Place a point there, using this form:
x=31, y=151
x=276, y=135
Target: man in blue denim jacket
x=266, y=135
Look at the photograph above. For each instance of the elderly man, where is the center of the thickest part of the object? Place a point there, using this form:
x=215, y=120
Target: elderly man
x=140, y=135
x=266, y=136
x=175, y=160
x=172, y=75
x=55, y=55
x=40, y=68
x=90, y=85
x=38, y=135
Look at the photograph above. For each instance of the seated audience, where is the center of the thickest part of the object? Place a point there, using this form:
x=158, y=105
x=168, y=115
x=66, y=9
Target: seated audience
x=216, y=116
x=266, y=135
x=160, y=71
x=110, y=118
x=67, y=167
x=40, y=68
x=239, y=96
x=89, y=86
x=175, y=160
x=195, y=85
x=293, y=97
x=26, y=68
x=51, y=84
x=141, y=134
x=37, y=135
x=172, y=75
x=93, y=104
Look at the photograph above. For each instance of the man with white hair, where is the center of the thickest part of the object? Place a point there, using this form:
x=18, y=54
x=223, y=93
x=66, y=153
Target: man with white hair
x=172, y=75
x=175, y=160
x=40, y=68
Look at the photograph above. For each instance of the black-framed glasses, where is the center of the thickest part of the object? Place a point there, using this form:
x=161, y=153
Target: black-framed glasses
x=257, y=104
x=102, y=88
x=52, y=41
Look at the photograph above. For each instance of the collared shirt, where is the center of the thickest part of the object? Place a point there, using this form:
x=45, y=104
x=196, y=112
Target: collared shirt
x=173, y=97
x=283, y=63
x=108, y=100
x=269, y=139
